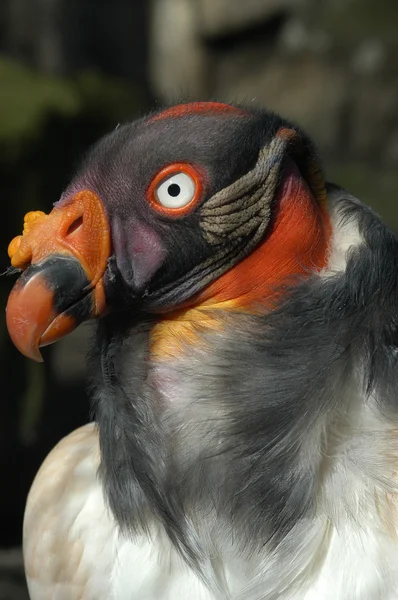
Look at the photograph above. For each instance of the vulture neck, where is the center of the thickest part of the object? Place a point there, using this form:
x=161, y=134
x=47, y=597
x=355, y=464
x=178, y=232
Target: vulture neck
x=280, y=436
x=296, y=245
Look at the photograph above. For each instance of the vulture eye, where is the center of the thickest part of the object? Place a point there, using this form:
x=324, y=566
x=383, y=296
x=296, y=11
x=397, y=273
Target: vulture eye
x=175, y=190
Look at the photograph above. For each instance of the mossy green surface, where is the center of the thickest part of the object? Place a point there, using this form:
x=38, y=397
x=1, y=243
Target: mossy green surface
x=28, y=98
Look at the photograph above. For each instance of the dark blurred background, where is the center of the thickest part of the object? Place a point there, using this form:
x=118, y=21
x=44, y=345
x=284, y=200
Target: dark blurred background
x=70, y=70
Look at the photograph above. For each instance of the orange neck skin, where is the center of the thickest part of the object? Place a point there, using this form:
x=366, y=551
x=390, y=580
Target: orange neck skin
x=296, y=245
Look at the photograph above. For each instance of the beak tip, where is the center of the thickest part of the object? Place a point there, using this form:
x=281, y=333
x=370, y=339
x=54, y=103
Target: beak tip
x=35, y=354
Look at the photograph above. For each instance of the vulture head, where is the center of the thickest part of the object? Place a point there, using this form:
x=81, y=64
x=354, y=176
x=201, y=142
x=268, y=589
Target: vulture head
x=161, y=217
x=246, y=315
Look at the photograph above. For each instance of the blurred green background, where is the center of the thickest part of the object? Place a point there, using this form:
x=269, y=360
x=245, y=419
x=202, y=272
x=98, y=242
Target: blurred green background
x=70, y=70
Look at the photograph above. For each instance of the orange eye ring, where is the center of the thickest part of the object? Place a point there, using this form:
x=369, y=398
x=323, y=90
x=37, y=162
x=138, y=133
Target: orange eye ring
x=162, y=176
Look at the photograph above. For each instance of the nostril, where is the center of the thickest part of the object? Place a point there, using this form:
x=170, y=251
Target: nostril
x=73, y=227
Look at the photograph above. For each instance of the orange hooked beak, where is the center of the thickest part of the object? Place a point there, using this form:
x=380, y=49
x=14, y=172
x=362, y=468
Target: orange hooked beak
x=63, y=256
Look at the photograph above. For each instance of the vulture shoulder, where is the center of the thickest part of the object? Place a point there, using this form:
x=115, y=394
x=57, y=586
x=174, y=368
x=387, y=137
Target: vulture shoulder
x=61, y=550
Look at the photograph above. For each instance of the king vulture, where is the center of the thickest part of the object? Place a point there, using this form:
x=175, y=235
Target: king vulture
x=243, y=371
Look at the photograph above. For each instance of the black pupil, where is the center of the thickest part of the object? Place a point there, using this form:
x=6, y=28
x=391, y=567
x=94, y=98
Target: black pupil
x=174, y=189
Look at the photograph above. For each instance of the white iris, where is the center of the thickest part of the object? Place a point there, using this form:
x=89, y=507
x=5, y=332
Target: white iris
x=176, y=191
